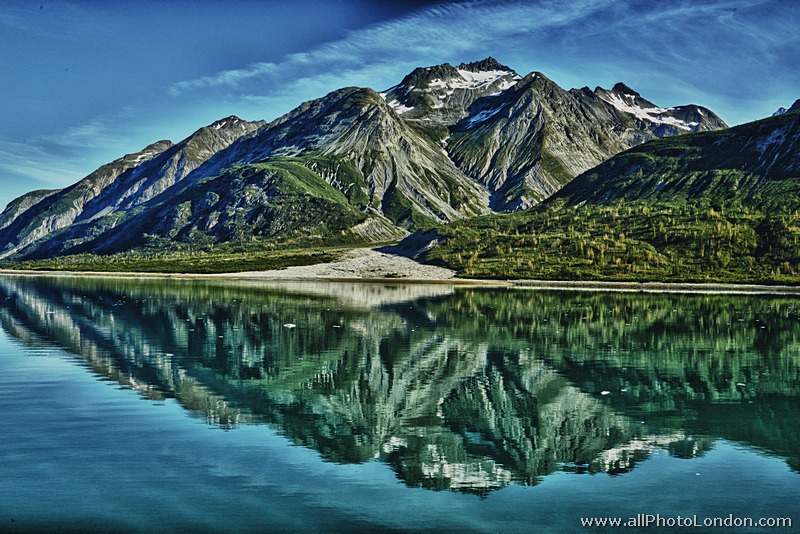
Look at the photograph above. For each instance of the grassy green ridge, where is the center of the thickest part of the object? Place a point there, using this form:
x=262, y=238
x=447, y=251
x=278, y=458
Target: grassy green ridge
x=181, y=262
x=752, y=164
x=636, y=241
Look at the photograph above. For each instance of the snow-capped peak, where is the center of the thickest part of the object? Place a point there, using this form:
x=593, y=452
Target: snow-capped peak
x=231, y=121
x=478, y=79
x=435, y=85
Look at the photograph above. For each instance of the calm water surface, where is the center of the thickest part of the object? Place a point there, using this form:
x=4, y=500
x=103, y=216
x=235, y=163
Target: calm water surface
x=144, y=405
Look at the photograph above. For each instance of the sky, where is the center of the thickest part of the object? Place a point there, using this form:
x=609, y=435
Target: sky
x=85, y=82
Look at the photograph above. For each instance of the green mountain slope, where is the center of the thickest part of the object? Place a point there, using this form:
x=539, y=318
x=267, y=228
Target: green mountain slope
x=755, y=164
x=36, y=219
x=279, y=198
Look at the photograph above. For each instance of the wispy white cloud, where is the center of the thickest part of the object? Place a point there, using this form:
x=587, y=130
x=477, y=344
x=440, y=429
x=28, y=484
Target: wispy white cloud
x=442, y=33
x=681, y=51
x=97, y=132
x=58, y=159
x=34, y=163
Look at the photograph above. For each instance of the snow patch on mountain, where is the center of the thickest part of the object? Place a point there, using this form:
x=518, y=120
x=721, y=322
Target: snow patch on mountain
x=656, y=115
x=483, y=115
x=475, y=80
x=395, y=104
x=399, y=108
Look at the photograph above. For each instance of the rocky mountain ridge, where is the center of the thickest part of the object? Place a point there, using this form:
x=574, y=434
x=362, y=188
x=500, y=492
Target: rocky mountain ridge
x=115, y=188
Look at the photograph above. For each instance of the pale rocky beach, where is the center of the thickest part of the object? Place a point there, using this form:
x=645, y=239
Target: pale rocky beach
x=359, y=263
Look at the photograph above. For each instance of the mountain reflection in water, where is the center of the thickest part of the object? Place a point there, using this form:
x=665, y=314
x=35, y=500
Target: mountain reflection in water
x=465, y=389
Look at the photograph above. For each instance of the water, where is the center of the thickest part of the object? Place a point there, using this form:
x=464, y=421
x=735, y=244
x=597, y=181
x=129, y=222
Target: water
x=173, y=406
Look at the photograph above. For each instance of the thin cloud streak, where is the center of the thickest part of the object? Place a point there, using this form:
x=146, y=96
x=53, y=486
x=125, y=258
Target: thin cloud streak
x=97, y=133
x=38, y=165
x=448, y=31
x=580, y=43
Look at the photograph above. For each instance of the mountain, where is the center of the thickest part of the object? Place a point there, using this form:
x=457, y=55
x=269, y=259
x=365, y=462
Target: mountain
x=755, y=164
x=651, y=121
x=115, y=188
x=434, y=98
x=361, y=146
x=444, y=144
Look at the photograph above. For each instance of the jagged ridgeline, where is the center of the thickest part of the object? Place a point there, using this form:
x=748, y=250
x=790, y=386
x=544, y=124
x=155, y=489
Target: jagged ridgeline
x=355, y=166
x=708, y=206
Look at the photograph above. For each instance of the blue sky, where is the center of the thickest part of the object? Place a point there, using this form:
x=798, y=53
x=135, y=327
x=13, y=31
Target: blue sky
x=85, y=82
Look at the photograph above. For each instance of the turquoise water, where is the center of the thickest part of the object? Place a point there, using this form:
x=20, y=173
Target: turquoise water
x=141, y=406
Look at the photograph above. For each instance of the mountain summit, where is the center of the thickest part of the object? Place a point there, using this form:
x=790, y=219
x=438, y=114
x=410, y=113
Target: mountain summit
x=445, y=143
x=793, y=107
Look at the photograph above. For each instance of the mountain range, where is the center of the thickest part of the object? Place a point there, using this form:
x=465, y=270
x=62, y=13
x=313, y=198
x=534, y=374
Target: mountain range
x=445, y=144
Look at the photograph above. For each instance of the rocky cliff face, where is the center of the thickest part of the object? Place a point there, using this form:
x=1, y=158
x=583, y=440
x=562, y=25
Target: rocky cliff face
x=525, y=143
x=359, y=144
x=446, y=143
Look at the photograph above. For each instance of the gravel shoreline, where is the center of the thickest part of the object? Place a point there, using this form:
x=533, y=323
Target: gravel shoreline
x=372, y=265
x=358, y=263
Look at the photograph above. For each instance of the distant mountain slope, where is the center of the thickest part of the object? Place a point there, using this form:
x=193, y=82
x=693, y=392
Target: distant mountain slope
x=444, y=144
x=755, y=164
x=794, y=107
x=116, y=187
